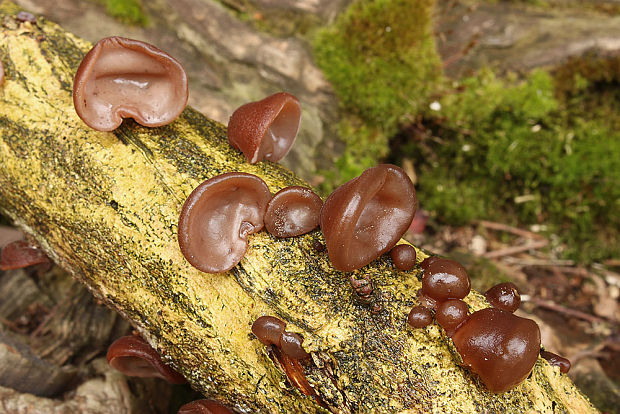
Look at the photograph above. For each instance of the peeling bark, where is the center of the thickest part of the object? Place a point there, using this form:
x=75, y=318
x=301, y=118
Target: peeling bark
x=105, y=207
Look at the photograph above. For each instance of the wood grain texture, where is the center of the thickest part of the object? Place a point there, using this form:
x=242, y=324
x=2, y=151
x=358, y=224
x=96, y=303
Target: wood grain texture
x=105, y=207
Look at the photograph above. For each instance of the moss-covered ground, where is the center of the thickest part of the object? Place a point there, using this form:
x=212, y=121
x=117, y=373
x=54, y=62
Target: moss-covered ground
x=126, y=11
x=542, y=149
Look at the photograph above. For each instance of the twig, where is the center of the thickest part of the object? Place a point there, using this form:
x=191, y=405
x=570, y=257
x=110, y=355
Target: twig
x=538, y=262
x=516, y=249
x=567, y=311
x=509, y=229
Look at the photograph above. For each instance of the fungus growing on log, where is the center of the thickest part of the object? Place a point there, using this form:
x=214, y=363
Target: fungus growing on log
x=125, y=78
x=1, y=72
x=204, y=407
x=290, y=344
x=445, y=279
x=450, y=314
x=134, y=357
x=504, y=296
x=419, y=317
x=498, y=346
x=293, y=211
x=268, y=329
x=428, y=261
x=365, y=217
x=265, y=129
x=217, y=218
x=403, y=256
x=556, y=361
x=19, y=254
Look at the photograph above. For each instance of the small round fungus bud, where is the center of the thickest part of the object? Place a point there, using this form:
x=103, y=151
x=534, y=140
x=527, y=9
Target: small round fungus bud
x=450, y=314
x=365, y=217
x=293, y=211
x=268, y=329
x=124, y=78
x=134, y=357
x=504, y=296
x=20, y=254
x=445, y=279
x=1, y=72
x=217, y=219
x=428, y=261
x=204, y=407
x=556, y=361
x=419, y=317
x=290, y=344
x=498, y=346
x=403, y=256
x=265, y=129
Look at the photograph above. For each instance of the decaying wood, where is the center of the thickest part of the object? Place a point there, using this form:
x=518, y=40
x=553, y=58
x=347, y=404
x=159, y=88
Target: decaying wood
x=105, y=207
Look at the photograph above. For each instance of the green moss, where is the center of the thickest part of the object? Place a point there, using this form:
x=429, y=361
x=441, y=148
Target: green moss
x=380, y=56
x=126, y=11
x=526, y=152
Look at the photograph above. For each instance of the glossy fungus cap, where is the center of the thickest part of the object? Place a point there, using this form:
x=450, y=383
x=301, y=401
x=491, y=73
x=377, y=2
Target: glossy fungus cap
x=403, y=256
x=204, y=407
x=134, y=357
x=265, y=129
x=450, y=314
x=293, y=211
x=124, y=78
x=365, y=217
x=504, y=296
x=419, y=317
x=291, y=345
x=445, y=279
x=268, y=329
x=556, y=361
x=1, y=72
x=498, y=346
x=218, y=217
x=19, y=254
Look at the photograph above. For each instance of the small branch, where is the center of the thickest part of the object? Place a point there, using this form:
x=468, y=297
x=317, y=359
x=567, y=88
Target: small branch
x=515, y=249
x=510, y=229
x=564, y=310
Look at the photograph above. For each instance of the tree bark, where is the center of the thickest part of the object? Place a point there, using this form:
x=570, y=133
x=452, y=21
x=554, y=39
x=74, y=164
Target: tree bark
x=105, y=207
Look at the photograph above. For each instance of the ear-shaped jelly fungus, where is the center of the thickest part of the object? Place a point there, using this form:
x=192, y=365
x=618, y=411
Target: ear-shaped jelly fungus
x=419, y=317
x=19, y=254
x=445, y=279
x=291, y=345
x=450, y=314
x=556, y=361
x=134, y=357
x=403, y=256
x=217, y=219
x=265, y=129
x=504, y=296
x=268, y=329
x=365, y=217
x=125, y=78
x=293, y=211
x=498, y=346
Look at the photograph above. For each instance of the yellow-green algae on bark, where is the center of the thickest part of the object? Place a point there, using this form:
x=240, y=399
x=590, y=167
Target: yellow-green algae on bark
x=105, y=207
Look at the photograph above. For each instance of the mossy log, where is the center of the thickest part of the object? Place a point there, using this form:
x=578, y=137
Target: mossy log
x=105, y=206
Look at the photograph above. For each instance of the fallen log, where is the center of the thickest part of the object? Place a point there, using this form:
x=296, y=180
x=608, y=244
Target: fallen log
x=105, y=207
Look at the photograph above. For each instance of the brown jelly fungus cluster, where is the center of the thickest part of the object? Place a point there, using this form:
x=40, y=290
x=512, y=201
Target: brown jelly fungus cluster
x=556, y=361
x=218, y=217
x=293, y=211
x=271, y=331
x=125, y=78
x=134, y=357
x=504, y=296
x=20, y=254
x=403, y=256
x=499, y=347
x=265, y=129
x=204, y=407
x=365, y=217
